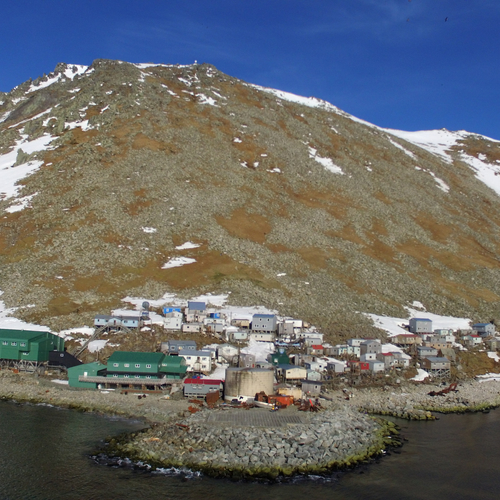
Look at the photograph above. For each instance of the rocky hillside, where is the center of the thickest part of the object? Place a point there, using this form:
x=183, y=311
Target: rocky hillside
x=289, y=202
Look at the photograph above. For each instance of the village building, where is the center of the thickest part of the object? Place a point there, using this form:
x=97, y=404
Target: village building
x=192, y=327
x=176, y=346
x=472, y=340
x=484, y=329
x=172, y=323
x=240, y=323
x=388, y=359
x=315, y=350
x=291, y=372
x=436, y=342
x=376, y=366
x=314, y=375
x=406, y=340
x=370, y=347
x=420, y=325
x=262, y=336
x=246, y=360
x=197, y=361
x=131, y=321
x=264, y=323
x=200, y=387
x=311, y=388
x=426, y=351
x=436, y=366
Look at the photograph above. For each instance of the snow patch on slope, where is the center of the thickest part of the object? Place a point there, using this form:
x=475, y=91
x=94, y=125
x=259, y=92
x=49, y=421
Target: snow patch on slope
x=10, y=175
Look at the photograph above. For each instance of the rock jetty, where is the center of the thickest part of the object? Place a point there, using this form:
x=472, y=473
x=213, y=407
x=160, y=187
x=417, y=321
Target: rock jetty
x=219, y=442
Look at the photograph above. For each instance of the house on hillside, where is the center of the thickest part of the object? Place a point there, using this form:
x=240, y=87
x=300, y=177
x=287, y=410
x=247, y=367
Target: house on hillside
x=370, y=347
x=484, y=329
x=197, y=361
x=264, y=323
x=420, y=325
x=436, y=366
x=175, y=346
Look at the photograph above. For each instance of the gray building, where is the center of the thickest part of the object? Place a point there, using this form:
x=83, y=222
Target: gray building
x=175, y=346
x=437, y=367
x=370, y=347
x=420, y=325
x=484, y=329
x=264, y=323
x=425, y=352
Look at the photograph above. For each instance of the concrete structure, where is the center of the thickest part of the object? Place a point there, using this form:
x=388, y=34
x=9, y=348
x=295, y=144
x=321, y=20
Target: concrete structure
x=247, y=382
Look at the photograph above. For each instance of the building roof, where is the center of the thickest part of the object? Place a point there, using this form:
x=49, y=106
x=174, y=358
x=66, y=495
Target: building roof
x=317, y=346
x=422, y=319
x=202, y=381
x=140, y=357
x=436, y=359
x=196, y=306
x=264, y=316
x=22, y=334
x=189, y=352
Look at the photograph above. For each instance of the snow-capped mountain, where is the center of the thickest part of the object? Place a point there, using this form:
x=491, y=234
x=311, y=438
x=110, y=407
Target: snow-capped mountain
x=107, y=171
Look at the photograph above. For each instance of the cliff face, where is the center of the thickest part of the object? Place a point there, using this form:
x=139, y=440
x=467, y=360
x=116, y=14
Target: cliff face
x=292, y=203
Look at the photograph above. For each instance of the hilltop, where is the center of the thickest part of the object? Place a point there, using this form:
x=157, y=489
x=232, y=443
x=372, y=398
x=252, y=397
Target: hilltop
x=285, y=201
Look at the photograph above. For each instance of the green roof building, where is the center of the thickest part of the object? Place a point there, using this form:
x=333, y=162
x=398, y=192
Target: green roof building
x=174, y=366
x=87, y=370
x=28, y=345
x=135, y=364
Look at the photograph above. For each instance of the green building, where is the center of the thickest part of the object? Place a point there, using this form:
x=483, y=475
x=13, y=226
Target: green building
x=173, y=367
x=129, y=364
x=28, y=345
x=87, y=370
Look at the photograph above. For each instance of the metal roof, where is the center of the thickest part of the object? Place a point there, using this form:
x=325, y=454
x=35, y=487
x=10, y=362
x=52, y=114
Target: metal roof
x=144, y=357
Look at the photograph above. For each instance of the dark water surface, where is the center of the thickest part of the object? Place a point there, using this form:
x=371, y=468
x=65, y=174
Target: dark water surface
x=44, y=454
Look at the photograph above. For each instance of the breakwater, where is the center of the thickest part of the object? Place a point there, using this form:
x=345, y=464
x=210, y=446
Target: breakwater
x=227, y=443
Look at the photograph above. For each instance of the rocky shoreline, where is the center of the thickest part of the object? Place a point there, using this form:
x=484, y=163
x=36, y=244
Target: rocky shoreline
x=219, y=443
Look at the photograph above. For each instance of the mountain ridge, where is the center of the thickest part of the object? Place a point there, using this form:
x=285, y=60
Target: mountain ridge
x=294, y=203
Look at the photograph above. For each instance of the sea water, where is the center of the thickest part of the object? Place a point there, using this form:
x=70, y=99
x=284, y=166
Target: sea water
x=46, y=453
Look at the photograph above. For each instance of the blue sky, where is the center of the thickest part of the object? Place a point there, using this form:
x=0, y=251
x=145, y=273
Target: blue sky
x=395, y=63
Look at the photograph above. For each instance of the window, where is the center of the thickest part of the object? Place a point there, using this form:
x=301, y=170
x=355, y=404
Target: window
x=148, y=366
x=137, y=376
x=5, y=342
x=148, y=376
x=137, y=365
x=14, y=343
x=126, y=376
x=126, y=365
x=23, y=344
x=115, y=365
x=115, y=375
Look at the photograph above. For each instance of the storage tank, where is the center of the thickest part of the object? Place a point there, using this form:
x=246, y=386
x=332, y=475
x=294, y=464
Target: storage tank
x=246, y=382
